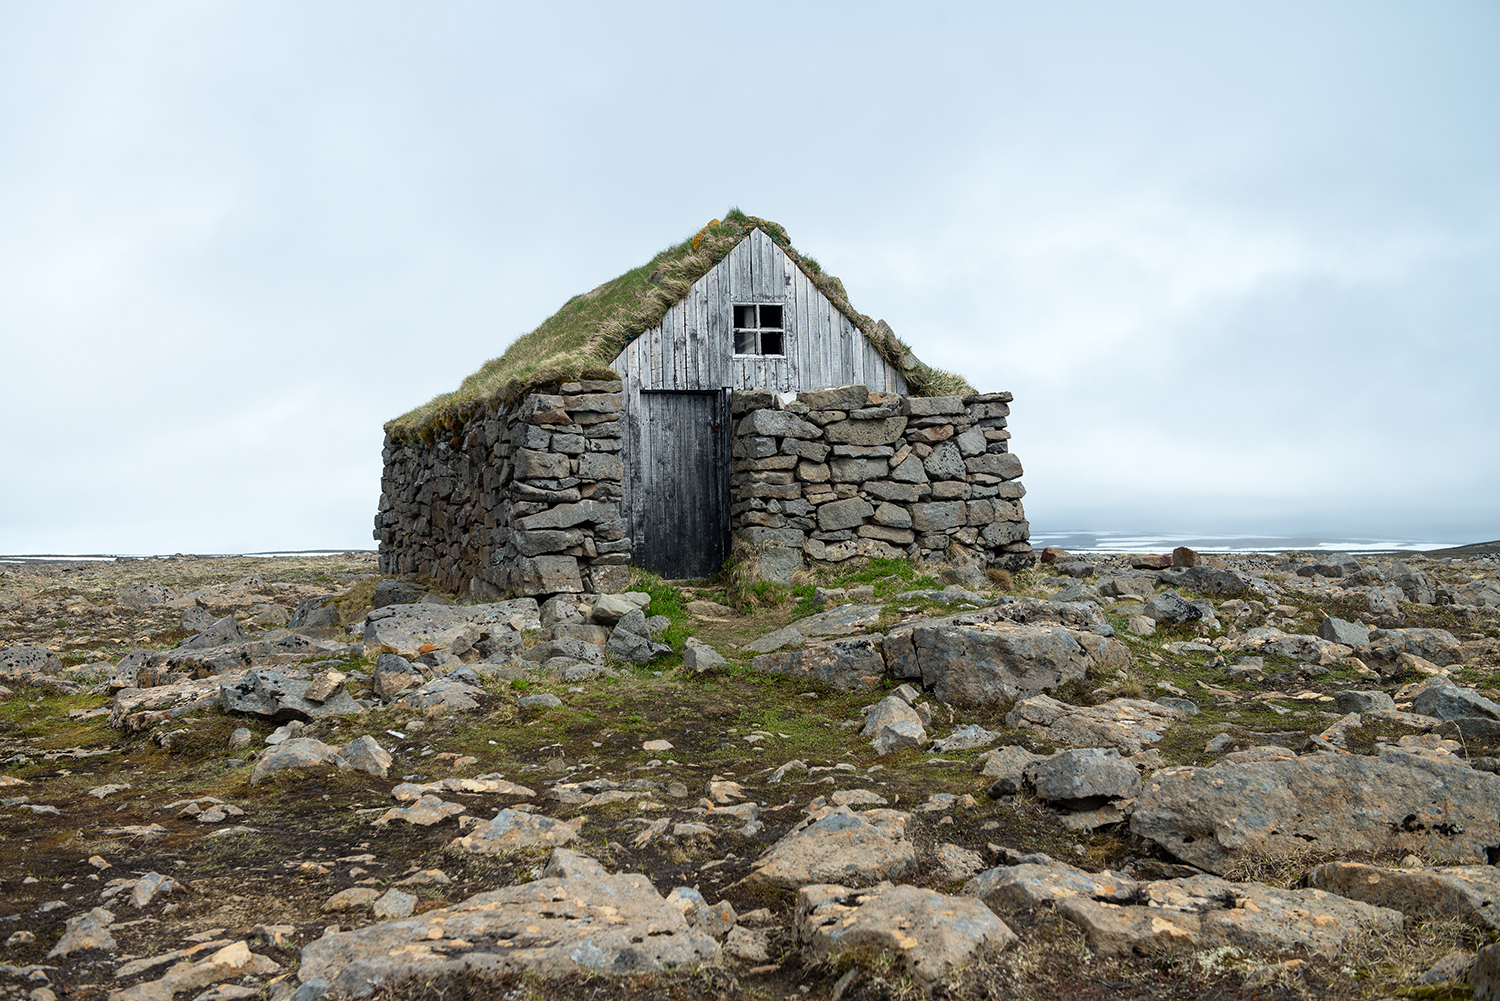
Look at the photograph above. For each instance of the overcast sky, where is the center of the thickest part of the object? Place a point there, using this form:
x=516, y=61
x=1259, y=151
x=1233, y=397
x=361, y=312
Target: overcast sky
x=1239, y=263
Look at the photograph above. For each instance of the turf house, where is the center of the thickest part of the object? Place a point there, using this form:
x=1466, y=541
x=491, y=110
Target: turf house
x=726, y=389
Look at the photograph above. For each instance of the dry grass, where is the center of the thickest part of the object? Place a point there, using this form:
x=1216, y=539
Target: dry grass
x=583, y=338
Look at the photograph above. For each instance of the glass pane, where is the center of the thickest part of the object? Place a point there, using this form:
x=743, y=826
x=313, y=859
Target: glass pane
x=770, y=316
x=744, y=316
x=744, y=341
x=770, y=342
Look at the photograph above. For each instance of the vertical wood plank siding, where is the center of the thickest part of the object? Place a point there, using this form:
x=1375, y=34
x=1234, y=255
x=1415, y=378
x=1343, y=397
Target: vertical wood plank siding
x=692, y=352
x=680, y=482
x=693, y=348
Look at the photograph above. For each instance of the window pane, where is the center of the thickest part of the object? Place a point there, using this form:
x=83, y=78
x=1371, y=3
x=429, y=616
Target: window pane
x=744, y=341
x=744, y=316
x=770, y=342
x=770, y=316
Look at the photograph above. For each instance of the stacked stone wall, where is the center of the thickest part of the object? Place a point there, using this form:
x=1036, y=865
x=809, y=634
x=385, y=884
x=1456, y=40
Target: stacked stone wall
x=518, y=501
x=845, y=472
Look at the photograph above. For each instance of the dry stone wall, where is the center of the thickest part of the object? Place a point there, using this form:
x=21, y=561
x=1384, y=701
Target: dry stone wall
x=844, y=472
x=522, y=501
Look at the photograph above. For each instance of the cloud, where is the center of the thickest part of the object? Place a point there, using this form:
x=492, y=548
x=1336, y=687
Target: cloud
x=1237, y=265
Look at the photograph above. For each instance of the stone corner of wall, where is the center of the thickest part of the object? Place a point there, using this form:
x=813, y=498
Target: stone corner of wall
x=844, y=472
x=520, y=500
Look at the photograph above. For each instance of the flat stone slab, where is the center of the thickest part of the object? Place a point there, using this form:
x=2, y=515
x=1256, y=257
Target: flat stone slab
x=1006, y=651
x=551, y=926
x=841, y=621
x=849, y=663
x=1206, y=912
x=299, y=753
x=138, y=709
x=441, y=695
x=1469, y=893
x=279, y=698
x=1127, y=725
x=423, y=812
x=836, y=844
x=773, y=641
x=931, y=932
x=493, y=784
x=512, y=830
x=1121, y=917
x=407, y=629
x=1335, y=803
x=1296, y=646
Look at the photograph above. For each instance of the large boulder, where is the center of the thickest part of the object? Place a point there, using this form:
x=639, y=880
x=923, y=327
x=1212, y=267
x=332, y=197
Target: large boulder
x=1449, y=702
x=1083, y=778
x=1295, y=646
x=1334, y=565
x=1120, y=917
x=551, y=926
x=631, y=640
x=1418, y=587
x=1127, y=725
x=842, y=620
x=893, y=725
x=837, y=845
x=847, y=664
x=19, y=661
x=137, y=709
x=1350, y=634
x=394, y=674
x=299, y=752
x=1436, y=645
x=968, y=661
x=1213, y=580
x=1007, y=767
x=279, y=698
x=221, y=632
x=1468, y=893
x=1173, y=608
x=415, y=629
x=933, y=934
x=512, y=830
x=1328, y=803
x=1011, y=888
x=142, y=595
x=396, y=592
x=441, y=696
x=314, y=614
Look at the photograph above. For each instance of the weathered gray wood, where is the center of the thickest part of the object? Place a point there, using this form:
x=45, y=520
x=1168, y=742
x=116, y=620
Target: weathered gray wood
x=680, y=521
x=693, y=349
x=692, y=322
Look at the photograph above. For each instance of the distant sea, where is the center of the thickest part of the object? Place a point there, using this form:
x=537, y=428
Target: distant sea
x=1132, y=542
x=106, y=557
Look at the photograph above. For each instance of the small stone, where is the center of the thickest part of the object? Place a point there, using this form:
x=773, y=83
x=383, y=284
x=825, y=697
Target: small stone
x=87, y=931
x=394, y=904
x=353, y=899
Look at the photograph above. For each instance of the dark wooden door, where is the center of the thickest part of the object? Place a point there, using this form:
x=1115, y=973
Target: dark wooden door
x=680, y=483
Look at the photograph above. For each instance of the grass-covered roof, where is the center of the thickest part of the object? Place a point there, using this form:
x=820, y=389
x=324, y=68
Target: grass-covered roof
x=583, y=338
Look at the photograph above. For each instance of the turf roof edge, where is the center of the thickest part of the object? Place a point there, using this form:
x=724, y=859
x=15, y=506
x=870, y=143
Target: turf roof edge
x=615, y=313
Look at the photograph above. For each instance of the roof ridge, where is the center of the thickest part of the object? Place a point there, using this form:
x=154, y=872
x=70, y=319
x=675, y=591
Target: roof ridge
x=584, y=336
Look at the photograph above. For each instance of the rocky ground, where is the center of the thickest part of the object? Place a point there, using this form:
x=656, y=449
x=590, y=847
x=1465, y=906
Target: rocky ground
x=1253, y=777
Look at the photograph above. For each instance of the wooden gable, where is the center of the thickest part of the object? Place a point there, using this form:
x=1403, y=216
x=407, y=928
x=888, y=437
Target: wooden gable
x=693, y=347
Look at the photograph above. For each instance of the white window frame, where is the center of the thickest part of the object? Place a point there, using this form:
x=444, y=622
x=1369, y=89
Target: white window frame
x=758, y=330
